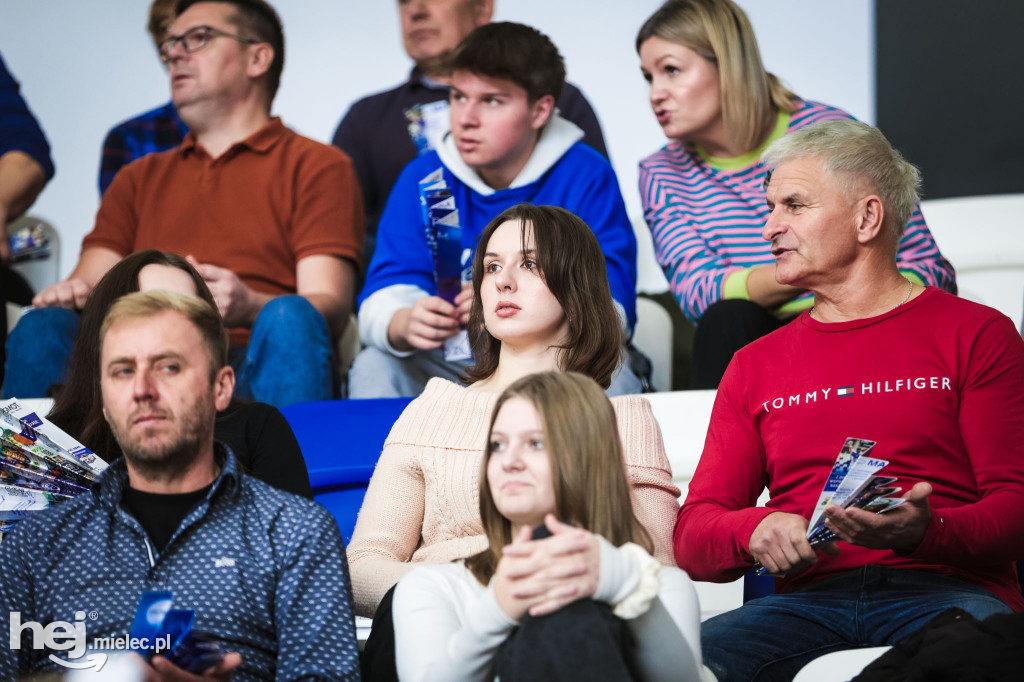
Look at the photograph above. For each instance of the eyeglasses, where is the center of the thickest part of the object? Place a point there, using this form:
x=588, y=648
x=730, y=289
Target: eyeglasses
x=196, y=39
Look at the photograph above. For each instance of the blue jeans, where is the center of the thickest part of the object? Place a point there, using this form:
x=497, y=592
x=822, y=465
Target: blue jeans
x=38, y=351
x=289, y=358
x=378, y=374
x=773, y=637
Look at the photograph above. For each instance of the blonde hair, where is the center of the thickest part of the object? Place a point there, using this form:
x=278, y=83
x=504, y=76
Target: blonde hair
x=719, y=31
x=588, y=470
x=143, y=304
x=855, y=153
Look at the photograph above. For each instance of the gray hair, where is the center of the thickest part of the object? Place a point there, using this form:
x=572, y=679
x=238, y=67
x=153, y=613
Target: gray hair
x=851, y=152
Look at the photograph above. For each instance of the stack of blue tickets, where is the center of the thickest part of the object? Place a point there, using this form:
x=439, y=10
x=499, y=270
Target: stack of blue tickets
x=444, y=234
x=40, y=465
x=159, y=629
x=452, y=261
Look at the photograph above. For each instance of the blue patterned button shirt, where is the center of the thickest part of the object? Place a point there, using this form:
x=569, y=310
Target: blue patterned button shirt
x=264, y=570
x=156, y=130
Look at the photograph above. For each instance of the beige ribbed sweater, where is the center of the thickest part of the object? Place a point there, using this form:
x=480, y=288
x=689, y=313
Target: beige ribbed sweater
x=422, y=504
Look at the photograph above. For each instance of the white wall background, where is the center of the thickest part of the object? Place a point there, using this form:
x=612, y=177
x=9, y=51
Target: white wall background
x=85, y=65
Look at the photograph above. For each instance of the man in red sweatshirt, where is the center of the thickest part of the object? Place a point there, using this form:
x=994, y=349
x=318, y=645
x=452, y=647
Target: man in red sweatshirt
x=936, y=381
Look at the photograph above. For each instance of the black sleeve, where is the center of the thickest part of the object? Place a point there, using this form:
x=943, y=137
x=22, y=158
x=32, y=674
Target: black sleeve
x=352, y=138
x=265, y=446
x=575, y=107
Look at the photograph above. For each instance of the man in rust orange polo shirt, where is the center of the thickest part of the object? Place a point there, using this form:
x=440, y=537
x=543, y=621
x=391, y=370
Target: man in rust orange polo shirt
x=272, y=220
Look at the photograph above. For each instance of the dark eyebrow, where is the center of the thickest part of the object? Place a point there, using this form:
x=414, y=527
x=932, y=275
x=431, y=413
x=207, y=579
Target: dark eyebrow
x=484, y=95
x=529, y=252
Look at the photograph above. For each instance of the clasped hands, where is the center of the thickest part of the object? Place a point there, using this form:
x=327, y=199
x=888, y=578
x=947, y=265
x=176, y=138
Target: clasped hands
x=541, y=576
x=236, y=302
x=779, y=542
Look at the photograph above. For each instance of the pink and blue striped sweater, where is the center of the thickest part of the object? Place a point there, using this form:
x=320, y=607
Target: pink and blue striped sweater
x=706, y=215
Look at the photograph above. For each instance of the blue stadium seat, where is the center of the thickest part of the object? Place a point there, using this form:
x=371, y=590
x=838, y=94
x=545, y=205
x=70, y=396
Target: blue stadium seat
x=341, y=441
x=756, y=586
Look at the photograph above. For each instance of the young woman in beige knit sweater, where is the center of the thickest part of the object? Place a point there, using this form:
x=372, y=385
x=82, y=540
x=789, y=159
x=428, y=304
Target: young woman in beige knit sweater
x=541, y=303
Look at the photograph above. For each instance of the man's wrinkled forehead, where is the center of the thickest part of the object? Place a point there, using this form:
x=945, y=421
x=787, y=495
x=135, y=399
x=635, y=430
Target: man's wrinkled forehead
x=808, y=169
x=797, y=178
x=162, y=333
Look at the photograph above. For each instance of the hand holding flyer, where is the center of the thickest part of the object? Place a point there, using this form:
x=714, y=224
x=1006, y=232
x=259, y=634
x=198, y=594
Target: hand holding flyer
x=901, y=530
x=452, y=267
x=852, y=483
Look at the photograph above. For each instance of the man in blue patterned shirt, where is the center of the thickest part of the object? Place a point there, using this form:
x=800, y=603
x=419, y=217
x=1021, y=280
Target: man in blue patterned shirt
x=156, y=130
x=264, y=570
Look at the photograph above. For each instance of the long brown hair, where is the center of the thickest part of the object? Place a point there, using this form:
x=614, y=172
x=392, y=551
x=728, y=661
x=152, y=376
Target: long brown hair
x=78, y=408
x=573, y=266
x=588, y=470
x=719, y=31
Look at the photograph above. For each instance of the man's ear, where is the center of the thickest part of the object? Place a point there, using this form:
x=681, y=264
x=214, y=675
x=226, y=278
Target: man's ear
x=261, y=56
x=223, y=387
x=541, y=111
x=484, y=11
x=871, y=218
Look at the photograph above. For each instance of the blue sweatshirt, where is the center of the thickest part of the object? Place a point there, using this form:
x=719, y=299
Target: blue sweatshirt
x=561, y=172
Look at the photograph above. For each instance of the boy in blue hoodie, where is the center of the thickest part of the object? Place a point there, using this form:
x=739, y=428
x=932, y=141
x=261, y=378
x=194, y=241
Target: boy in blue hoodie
x=507, y=145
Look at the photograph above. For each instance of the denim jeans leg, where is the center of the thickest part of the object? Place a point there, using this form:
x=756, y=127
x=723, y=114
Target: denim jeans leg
x=897, y=602
x=378, y=374
x=38, y=350
x=624, y=381
x=773, y=637
x=289, y=358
